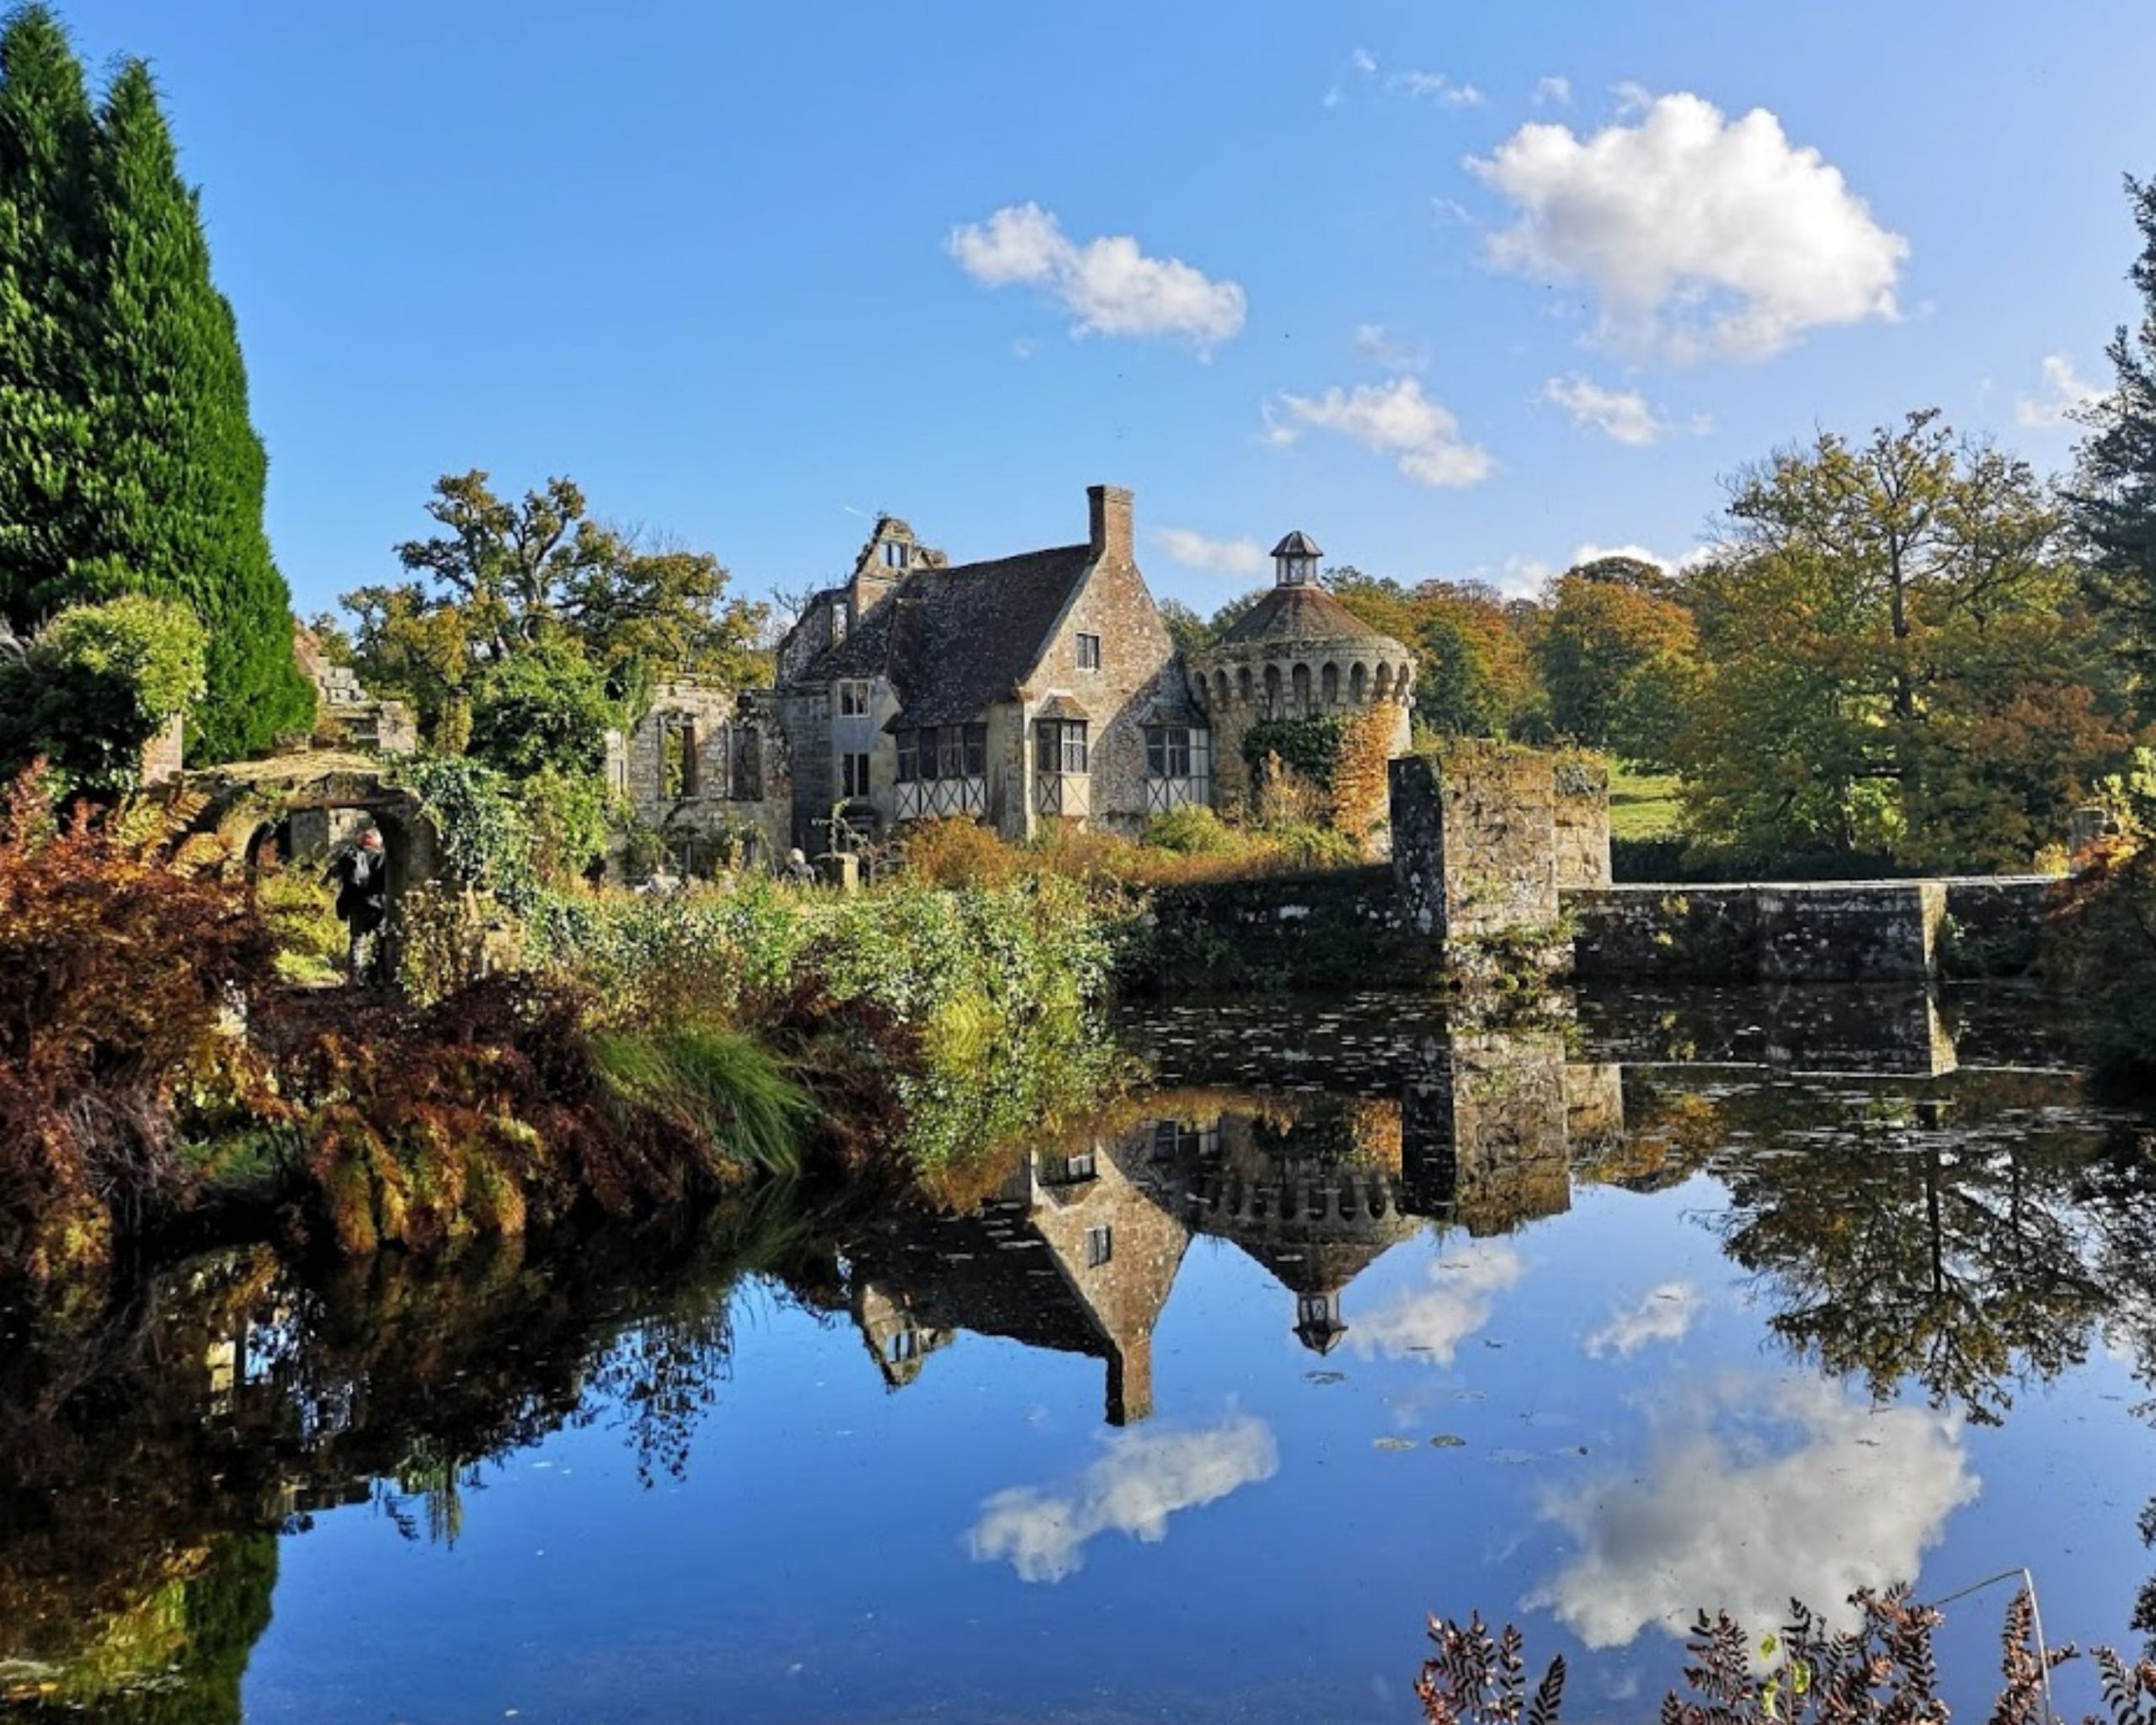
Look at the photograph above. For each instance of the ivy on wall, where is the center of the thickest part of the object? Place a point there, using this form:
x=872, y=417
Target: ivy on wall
x=1312, y=746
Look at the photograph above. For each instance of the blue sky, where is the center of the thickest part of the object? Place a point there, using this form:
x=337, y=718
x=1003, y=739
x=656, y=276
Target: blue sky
x=739, y=270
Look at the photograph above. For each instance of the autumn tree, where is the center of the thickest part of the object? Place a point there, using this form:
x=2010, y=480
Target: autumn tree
x=1614, y=649
x=507, y=578
x=1474, y=674
x=1893, y=657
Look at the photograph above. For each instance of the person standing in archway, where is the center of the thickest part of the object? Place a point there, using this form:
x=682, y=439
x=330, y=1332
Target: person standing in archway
x=362, y=877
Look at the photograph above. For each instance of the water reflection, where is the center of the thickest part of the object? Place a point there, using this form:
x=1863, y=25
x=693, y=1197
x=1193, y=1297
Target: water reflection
x=1139, y=1481
x=1925, y=1221
x=1755, y=1491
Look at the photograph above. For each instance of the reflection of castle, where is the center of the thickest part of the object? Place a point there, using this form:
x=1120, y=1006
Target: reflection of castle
x=1081, y=1244
x=1072, y=1254
x=1078, y=1250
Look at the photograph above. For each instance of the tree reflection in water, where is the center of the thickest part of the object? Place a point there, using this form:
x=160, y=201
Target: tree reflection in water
x=1905, y=1223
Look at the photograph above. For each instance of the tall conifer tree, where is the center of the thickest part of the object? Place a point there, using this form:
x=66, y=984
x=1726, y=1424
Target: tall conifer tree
x=178, y=491
x=127, y=459
x=45, y=133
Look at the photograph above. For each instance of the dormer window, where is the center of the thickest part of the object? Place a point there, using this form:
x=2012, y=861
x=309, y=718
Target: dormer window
x=853, y=698
x=894, y=554
x=1089, y=653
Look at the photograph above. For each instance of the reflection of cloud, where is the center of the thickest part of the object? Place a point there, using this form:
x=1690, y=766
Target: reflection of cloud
x=1434, y=1321
x=1665, y=1314
x=1718, y=1521
x=1143, y=1478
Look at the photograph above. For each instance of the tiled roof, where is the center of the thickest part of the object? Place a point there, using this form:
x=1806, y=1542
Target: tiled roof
x=955, y=641
x=1302, y=614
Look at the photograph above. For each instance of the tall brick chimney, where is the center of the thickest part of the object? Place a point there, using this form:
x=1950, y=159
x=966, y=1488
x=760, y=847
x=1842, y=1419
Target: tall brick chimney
x=1107, y=508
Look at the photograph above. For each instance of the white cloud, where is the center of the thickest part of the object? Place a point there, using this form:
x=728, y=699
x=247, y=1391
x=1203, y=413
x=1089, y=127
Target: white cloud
x=1109, y=284
x=1365, y=62
x=1142, y=1479
x=1223, y=557
x=1700, y=234
x=1755, y=1494
x=1431, y=1322
x=1395, y=419
x=1590, y=551
x=1664, y=1314
x=1374, y=341
x=1622, y=415
x=1552, y=91
x=2065, y=392
x=1436, y=87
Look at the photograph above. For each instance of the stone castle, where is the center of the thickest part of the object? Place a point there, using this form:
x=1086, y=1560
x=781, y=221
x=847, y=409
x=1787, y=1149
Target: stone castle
x=1021, y=693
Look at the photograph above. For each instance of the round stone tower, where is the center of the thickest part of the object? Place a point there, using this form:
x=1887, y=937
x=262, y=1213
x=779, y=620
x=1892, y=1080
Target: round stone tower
x=1298, y=653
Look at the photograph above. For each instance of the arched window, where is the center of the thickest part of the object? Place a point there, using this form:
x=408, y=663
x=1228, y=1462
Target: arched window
x=1242, y=683
x=1328, y=684
x=1220, y=687
x=1357, y=679
x=1381, y=690
x=1300, y=681
x=1272, y=689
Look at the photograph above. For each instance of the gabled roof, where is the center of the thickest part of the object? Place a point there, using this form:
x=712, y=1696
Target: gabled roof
x=1303, y=613
x=955, y=641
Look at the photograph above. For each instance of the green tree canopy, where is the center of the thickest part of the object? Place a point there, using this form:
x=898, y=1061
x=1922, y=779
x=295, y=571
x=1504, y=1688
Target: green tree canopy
x=2114, y=498
x=1614, y=649
x=505, y=577
x=1893, y=658
x=96, y=684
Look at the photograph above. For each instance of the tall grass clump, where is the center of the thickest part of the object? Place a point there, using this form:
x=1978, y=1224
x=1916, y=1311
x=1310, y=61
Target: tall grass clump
x=720, y=1085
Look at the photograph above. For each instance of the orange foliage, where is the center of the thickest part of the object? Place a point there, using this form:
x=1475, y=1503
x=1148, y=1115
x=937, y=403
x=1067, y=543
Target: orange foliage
x=118, y=965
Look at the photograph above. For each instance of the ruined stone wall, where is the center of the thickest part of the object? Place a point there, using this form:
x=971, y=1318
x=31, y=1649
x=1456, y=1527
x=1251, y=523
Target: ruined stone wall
x=1807, y=931
x=163, y=754
x=1582, y=821
x=703, y=809
x=1339, y=929
x=1473, y=845
x=1487, y=1129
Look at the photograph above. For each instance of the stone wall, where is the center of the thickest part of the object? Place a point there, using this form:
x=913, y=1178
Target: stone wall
x=1806, y=931
x=1487, y=1127
x=1473, y=887
x=1581, y=809
x=162, y=755
x=694, y=729
x=1341, y=929
x=1474, y=848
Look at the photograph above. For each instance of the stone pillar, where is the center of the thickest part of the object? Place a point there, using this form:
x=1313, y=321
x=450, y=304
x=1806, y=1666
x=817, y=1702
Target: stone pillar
x=162, y=755
x=1475, y=856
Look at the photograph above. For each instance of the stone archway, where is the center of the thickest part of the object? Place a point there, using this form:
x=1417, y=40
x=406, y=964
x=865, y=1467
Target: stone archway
x=242, y=801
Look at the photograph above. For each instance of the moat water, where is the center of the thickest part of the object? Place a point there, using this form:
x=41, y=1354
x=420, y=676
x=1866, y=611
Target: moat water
x=1585, y=1322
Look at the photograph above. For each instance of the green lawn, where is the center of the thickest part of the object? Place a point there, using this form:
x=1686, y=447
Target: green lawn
x=1643, y=805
